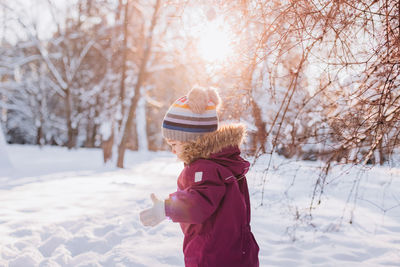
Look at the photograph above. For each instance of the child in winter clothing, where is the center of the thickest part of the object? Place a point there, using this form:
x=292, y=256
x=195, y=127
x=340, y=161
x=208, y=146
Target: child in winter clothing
x=212, y=201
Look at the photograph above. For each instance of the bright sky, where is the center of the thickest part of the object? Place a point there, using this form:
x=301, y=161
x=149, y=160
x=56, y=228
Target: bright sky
x=35, y=14
x=215, y=42
x=212, y=34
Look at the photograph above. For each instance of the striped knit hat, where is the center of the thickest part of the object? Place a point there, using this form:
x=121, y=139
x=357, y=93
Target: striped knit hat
x=192, y=116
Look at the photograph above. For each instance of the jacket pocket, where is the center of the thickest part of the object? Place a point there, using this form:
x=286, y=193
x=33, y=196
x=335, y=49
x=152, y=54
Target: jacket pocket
x=245, y=236
x=249, y=243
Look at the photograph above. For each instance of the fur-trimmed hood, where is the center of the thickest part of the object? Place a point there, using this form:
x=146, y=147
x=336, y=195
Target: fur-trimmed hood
x=204, y=147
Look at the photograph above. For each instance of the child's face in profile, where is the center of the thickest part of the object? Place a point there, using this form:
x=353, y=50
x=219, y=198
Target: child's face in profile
x=176, y=147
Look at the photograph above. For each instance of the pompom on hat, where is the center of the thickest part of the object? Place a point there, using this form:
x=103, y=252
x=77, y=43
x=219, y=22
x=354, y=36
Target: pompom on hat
x=192, y=116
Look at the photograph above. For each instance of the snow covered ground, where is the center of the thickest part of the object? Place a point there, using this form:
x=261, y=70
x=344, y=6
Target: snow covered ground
x=65, y=208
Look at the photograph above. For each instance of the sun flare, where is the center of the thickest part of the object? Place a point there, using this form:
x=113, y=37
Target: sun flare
x=215, y=43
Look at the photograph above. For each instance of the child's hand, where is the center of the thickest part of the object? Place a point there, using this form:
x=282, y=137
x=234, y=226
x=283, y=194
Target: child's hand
x=154, y=215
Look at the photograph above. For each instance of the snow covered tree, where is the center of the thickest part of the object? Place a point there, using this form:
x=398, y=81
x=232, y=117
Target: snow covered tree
x=127, y=126
x=347, y=54
x=311, y=79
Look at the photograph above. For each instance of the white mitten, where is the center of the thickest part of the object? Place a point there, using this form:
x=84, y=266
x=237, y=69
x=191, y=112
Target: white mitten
x=154, y=215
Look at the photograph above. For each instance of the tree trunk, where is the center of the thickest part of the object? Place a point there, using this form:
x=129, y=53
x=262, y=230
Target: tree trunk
x=70, y=142
x=141, y=77
x=5, y=163
x=107, y=146
x=261, y=135
x=124, y=59
x=39, y=135
x=381, y=153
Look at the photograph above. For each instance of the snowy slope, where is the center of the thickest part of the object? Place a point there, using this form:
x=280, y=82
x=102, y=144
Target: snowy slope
x=65, y=208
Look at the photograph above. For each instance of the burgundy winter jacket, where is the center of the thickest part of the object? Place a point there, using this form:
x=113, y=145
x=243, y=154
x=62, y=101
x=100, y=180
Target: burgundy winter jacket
x=213, y=208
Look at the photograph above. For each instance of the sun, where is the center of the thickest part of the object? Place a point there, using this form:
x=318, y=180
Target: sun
x=215, y=43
